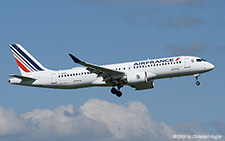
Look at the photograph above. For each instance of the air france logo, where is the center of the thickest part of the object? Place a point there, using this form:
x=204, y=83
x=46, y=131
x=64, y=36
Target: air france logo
x=156, y=61
x=138, y=76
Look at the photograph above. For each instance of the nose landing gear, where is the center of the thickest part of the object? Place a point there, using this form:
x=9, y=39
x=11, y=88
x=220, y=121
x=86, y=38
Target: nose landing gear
x=196, y=77
x=197, y=83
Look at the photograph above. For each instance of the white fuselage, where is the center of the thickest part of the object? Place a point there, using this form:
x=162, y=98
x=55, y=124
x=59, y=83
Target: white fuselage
x=81, y=77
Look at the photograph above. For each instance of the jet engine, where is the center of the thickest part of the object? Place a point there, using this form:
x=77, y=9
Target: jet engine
x=139, y=77
x=143, y=86
x=136, y=77
x=141, y=80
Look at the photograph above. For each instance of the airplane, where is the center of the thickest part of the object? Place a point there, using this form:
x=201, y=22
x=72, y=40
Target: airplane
x=138, y=74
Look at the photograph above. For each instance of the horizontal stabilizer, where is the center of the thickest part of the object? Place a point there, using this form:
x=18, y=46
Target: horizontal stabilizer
x=22, y=77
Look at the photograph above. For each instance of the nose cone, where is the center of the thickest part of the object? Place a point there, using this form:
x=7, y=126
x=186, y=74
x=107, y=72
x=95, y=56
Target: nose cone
x=210, y=66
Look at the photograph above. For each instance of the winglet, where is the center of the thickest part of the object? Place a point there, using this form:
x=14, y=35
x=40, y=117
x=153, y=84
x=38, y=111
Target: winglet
x=76, y=60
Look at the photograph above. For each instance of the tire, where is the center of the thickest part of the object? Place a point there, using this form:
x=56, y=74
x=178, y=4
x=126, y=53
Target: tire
x=119, y=94
x=113, y=90
x=197, y=83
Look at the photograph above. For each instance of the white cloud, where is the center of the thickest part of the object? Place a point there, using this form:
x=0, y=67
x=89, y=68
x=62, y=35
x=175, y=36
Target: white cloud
x=220, y=48
x=161, y=1
x=64, y=122
x=193, y=48
x=183, y=21
x=130, y=123
x=140, y=16
x=11, y=124
x=180, y=1
x=95, y=120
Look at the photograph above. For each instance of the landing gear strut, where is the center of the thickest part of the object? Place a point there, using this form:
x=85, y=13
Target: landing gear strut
x=196, y=77
x=118, y=93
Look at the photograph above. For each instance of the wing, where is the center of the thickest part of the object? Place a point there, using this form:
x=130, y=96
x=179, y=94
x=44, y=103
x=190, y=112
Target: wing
x=108, y=74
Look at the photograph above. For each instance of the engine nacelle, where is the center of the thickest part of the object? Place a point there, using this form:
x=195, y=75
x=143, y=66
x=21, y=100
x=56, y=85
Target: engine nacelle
x=143, y=86
x=136, y=77
x=141, y=80
x=139, y=77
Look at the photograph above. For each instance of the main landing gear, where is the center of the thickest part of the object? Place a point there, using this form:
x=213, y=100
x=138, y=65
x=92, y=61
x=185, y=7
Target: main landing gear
x=196, y=77
x=118, y=93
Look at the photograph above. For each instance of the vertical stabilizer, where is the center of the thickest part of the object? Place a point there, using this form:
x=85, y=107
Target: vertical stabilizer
x=25, y=61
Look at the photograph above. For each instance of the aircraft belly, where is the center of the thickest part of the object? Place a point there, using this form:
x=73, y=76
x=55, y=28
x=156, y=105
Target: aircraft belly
x=172, y=72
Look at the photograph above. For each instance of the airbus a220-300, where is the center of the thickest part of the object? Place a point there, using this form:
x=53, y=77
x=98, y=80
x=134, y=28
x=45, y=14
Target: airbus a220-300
x=138, y=74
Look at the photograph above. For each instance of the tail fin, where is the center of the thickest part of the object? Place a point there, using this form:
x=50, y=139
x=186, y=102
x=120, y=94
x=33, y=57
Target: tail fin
x=25, y=61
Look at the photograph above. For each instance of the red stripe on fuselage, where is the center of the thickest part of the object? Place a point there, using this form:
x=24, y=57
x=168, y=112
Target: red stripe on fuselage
x=21, y=66
x=177, y=58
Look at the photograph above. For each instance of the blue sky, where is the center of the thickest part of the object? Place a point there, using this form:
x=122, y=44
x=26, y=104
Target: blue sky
x=113, y=31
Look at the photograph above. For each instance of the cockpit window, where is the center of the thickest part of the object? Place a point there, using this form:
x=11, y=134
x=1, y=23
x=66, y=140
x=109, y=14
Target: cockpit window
x=200, y=60
x=203, y=60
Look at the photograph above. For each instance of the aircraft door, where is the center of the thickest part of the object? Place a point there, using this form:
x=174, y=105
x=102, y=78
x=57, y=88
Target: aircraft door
x=187, y=63
x=53, y=78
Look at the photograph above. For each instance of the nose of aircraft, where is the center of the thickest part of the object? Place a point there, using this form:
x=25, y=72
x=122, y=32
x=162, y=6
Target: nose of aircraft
x=210, y=66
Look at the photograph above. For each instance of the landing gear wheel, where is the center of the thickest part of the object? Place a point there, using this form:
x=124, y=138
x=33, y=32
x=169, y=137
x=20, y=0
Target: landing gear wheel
x=197, y=83
x=113, y=90
x=119, y=94
x=196, y=77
